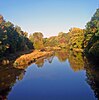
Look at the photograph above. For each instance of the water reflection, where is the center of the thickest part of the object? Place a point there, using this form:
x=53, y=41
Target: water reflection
x=40, y=62
x=62, y=55
x=10, y=75
x=76, y=61
x=24, y=61
x=92, y=73
x=50, y=59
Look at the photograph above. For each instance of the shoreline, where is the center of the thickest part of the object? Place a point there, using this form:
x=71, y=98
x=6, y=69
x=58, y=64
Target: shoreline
x=23, y=61
x=10, y=58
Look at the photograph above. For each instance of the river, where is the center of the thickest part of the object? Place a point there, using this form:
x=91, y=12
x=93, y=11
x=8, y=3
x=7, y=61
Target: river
x=59, y=77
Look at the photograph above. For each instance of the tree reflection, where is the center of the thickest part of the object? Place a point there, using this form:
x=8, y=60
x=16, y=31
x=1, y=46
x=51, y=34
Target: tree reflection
x=8, y=77
x=50, y=59
x=62, y=55
x=40, y=62
x=92, y=73
x=76, y=61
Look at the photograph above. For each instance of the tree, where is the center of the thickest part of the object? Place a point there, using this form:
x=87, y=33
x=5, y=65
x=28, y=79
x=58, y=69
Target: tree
x=91, y=36
x=37, y=39
x=62, y=40
x=51, y=42
x=12, y=39
x=76, y=36
x=1, y=19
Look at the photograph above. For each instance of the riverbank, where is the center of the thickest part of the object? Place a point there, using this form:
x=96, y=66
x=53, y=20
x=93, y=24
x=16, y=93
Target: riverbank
x=10, y=58
x=23, y=61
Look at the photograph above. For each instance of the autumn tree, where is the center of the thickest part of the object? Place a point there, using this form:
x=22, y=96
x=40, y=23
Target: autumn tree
x=1, y=19
x=75, y=36
x=51, y=41
x=37, y=39
x=62, y=40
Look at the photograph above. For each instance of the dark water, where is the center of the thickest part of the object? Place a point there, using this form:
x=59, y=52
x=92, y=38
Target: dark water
x=59, y=77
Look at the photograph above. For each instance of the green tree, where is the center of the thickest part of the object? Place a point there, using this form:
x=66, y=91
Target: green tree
x=51, y=42
x=91, y=36
x=37, y=39
x=12, y=39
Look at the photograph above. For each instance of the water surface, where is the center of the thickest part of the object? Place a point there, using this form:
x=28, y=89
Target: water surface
x=54, y=78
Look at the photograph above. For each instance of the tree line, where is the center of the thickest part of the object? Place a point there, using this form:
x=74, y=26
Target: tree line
x=13, y=39
x=85, y=40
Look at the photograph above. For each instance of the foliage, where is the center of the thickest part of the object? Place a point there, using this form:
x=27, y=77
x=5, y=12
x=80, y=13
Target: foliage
x=57, y=41
x=72, y=39
x=62, y=40
x=1, y=19
x=52, y=41
x=76, y=60
x=37, y=39
x=75, y=36
x=62, y=55
x=91, y=36
x=12, y=39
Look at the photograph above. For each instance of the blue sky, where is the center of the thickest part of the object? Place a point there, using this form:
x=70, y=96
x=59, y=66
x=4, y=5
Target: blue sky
x=48, y=16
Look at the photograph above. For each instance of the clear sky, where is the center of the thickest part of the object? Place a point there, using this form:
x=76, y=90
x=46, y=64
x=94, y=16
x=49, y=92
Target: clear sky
x=48, y=16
